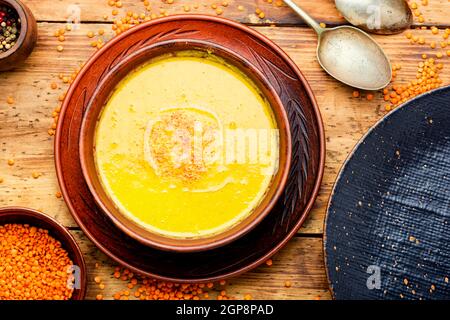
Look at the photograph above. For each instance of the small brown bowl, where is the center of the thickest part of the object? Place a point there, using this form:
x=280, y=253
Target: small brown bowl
x=100, y=97
x=11, y=215
x=27, y=36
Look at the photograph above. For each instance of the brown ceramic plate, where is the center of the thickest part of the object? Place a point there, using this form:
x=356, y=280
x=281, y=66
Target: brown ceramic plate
x=99, y=99
x=35, y=218
x=288, y=214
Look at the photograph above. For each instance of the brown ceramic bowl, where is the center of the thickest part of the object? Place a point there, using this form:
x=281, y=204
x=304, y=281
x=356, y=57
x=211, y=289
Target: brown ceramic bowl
x=274, y=231
x=35, y=218
x=27, y=37
x=100, y=97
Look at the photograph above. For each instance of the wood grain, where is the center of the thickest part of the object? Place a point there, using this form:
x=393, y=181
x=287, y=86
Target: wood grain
x=322, y=10
x=24, y=138
x=300, y=262
x=23, y=126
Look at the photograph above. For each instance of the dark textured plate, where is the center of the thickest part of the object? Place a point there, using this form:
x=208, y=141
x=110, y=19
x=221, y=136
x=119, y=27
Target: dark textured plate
x=308, y=152
x=389, y=214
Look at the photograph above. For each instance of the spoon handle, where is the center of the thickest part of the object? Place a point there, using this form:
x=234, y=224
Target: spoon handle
x=306, y=17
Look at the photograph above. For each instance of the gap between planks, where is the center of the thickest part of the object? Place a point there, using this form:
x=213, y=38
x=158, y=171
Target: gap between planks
x=435, y=13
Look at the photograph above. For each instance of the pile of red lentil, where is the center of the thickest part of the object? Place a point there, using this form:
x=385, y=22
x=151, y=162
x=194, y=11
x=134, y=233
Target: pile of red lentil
x=428, y=70
x=33, y=265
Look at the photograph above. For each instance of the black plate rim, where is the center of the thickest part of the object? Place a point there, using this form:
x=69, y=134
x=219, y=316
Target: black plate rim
x=347, y=161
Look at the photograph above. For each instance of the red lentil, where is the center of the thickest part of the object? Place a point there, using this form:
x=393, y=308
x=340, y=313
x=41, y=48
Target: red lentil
x=33, y=265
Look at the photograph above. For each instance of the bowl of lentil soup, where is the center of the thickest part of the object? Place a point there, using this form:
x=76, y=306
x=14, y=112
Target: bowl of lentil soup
x=53, y=267
x=274, y=231
x=18, y=33
x=181, y=207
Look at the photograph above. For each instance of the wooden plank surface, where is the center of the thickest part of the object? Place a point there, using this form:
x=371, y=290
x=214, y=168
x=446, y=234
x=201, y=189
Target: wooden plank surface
x=24, y=124
x=300, y=262
x=322, y=10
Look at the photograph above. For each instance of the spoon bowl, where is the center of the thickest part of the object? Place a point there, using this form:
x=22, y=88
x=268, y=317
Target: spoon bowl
x=352, y=57
x=349, y=55
x=377, y=16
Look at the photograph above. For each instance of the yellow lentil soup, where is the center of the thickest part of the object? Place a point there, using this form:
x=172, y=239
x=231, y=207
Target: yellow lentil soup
x=186, y=146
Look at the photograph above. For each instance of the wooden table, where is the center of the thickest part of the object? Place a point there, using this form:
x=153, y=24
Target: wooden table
x=24, y=125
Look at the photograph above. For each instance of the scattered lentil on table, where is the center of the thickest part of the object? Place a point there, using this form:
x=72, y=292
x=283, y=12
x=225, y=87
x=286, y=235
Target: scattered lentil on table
x=143, y=288
x=427, y=76
x=36, y=175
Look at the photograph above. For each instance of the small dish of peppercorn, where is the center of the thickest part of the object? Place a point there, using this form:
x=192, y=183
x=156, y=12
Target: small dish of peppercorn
x=18, y=33
x=9, y=28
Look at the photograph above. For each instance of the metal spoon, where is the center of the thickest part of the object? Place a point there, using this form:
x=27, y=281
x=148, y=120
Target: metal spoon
x=349, y=55
x=377, y=16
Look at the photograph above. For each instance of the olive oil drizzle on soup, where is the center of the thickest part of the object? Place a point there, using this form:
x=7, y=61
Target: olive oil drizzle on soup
x=175, y=146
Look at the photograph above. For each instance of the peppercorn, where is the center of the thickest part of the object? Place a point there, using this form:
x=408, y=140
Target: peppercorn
x=9, y=28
